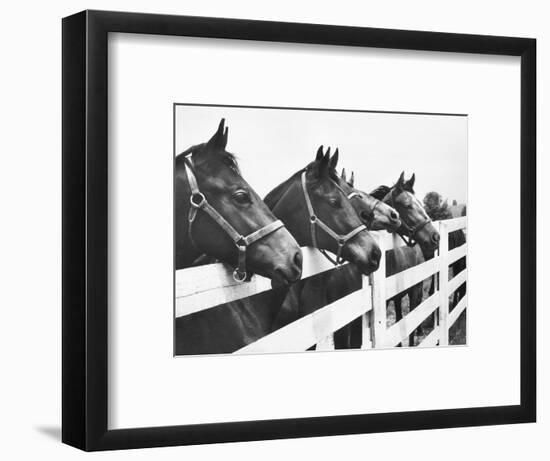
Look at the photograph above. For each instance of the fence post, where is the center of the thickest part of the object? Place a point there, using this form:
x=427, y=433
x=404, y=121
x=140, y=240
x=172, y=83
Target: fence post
x=366, y=318
x=443, y=281
x=378, y=284
x=327, y=344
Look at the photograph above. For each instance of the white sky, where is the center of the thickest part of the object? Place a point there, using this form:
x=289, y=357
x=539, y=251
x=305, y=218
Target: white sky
x=271, y=144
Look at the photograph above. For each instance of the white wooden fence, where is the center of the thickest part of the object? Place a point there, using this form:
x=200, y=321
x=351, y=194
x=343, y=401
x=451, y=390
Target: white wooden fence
x=206, y=287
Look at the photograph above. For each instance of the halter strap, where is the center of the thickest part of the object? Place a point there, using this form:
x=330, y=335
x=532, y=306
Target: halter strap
x=198, y=202
x=410, y=236
x=315, y=221
x=359, y=195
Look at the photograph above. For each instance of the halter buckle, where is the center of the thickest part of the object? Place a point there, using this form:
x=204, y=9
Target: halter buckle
x=239, y=276
x=200, y=196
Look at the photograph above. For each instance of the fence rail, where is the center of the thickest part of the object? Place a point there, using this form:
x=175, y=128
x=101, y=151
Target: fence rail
x=203, y=287
x=210, y=286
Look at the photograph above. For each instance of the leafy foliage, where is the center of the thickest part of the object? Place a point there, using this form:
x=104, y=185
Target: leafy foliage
x=436, y=208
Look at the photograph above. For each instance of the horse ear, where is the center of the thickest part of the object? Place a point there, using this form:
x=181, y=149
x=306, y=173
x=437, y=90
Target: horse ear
x=319, y=154
x=334, y=159
x=219, y=139
x=343, y=176
x=401, y=180
x=400, y=184
x=352, y=179
x=225, y=137
x=324, y=164
x=410, y=183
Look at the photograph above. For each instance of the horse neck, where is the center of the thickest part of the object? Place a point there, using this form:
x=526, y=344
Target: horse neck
x=186, y=253
x=287, y=203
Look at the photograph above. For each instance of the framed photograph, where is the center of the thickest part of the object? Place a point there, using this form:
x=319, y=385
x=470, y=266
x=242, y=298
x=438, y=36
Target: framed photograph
x=274, y=230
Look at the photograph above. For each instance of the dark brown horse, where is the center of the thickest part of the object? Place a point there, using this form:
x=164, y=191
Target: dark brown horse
x=417, y=230
x=377, y=216
x=318, y=213
x=315, y=292
x=331, y=286
x=220, y=215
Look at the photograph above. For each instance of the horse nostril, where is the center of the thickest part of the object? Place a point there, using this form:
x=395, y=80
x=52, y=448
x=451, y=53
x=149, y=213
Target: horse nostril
x=364, y=216
x=435, y=237
x=394, y=215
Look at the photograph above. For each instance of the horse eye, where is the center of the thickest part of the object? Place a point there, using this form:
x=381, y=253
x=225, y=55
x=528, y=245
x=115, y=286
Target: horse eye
x=242, y=196
x=334, y=202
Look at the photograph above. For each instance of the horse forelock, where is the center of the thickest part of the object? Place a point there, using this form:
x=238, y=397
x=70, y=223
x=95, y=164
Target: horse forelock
x=231, y=161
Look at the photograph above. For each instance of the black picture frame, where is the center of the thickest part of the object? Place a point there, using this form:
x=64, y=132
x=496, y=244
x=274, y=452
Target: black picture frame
x=85, y=220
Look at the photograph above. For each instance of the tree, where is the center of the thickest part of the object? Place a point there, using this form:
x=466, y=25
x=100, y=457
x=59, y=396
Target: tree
x=435, y=207
x=455, y=203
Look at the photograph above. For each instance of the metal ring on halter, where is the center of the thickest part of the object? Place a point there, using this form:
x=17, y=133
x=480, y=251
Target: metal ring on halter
x=198, y=202
x=201, y=196
x=239, y=276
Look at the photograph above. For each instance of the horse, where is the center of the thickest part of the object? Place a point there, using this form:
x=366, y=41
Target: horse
x=220, y=215
x=315, y=292
x=419, y=234
x=328, y=222
x=375, y=214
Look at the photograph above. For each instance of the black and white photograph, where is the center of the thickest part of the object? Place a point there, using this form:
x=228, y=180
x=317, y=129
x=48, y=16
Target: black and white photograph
x=271, y=228
x=300, y=229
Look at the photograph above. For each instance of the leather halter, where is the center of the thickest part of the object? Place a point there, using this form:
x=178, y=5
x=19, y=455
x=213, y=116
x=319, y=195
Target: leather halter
x=199, y=202
x=315, y=221
x=409, y=236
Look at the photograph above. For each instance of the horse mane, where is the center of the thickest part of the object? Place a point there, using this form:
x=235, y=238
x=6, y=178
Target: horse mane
x=275, y=195
x=232, y=160
x=380, y=192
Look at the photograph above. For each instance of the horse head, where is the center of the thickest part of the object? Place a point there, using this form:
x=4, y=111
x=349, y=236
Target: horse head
x=318, y=213
x=416, y=226
x=220, y=215
x=376, y=214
